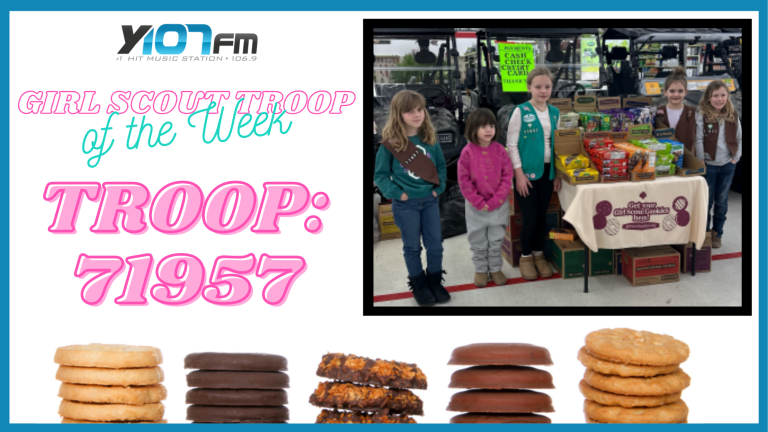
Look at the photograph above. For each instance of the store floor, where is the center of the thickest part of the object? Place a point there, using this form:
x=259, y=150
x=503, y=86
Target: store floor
x=721, y=287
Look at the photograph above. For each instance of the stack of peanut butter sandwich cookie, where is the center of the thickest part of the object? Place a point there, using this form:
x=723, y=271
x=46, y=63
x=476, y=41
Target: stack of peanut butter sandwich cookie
x=633, y=377
x=110, y=384
x=367, y=390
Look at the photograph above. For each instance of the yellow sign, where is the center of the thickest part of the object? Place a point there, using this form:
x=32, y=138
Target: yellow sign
x=652, y=88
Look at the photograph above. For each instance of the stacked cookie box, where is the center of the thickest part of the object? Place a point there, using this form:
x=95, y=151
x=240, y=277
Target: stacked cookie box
x=633, y=377
x=110, y=384
x=500, y=380
x=237, y=388
x=367, y=390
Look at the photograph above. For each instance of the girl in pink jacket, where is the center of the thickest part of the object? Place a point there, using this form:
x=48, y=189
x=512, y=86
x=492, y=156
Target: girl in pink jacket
x=485, y=178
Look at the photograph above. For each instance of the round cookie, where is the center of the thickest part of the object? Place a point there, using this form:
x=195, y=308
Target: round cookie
x=501, y=377
x=635, y=386
x=500, y=354
x=236, y=362
x=69, y=420
x=237, y=380
x=636, y=347
x=108, y=356
x=99, y=376
x=110, y=412
x=500, y=418
x=611, y=399
x=624, y=370
x=229, y=414
x=676, y=412
x=230, y=397
x=500, y=401
x=112, y=394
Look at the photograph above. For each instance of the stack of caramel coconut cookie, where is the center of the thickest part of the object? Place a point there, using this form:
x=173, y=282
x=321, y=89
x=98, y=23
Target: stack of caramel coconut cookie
x=110, y=384
x=500, y=380
x=633, y=377
x=369, y=391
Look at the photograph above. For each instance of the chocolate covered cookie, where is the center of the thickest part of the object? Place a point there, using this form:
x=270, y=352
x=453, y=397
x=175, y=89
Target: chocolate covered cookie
x=236, y=362
x=237, y=397
x=237, y=380
x=357, y=397
x=501, y=377
x=368, y=371
x=500, y=418
x=490, y=354
x=231, y=414
x=500, y=401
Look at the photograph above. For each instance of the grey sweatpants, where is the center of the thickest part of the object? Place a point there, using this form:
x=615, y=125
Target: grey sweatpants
x=485, y=232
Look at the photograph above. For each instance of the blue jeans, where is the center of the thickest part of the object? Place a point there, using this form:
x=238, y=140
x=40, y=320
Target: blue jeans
x=420, y=218
x=719, y=180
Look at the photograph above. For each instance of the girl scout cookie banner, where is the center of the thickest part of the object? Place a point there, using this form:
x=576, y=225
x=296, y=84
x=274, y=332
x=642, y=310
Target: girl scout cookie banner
x=614, y=216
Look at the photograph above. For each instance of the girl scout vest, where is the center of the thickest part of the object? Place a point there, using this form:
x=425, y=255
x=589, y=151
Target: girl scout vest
x=530, y=143
x=685, y=131
x=711, y=134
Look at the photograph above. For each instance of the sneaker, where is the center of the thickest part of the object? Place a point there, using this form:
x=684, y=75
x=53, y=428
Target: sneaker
x=481, y=279
x=499, y=278
x=717, y=242
x=419, y=285
x=542, y=266
x=528, y=268
x=436, y=287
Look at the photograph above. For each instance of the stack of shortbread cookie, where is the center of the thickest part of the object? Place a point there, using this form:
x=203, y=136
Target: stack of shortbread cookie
x=110, y=384
x=633, y=377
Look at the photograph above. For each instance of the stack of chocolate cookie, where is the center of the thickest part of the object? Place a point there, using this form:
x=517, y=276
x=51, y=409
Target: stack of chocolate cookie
x=237, y=388
x=633, y=377
x=110, y=384
x=501, y=380
x=362, y=388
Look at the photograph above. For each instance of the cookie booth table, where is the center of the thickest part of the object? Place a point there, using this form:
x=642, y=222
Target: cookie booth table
x=668, y=210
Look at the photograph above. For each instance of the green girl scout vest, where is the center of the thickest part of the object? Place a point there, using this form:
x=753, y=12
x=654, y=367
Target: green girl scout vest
x=531, y=141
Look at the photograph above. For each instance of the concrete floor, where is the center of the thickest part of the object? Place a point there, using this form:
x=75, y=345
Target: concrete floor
x=721, y=287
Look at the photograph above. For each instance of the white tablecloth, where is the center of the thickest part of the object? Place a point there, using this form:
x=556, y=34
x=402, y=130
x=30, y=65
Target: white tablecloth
x=665, y=211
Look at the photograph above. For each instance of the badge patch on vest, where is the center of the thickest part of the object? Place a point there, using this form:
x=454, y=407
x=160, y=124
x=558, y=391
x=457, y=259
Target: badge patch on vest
x=526, y=108
x=529, y=118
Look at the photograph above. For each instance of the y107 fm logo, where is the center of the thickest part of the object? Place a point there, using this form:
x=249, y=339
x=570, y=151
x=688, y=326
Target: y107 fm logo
x=150, y=37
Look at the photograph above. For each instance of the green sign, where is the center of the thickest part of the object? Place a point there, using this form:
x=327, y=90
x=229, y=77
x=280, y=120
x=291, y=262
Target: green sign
x=516, y=61
x=590, y=62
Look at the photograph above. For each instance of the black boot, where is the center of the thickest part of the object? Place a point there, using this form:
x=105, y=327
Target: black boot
x=420, y=287
x=436, y=286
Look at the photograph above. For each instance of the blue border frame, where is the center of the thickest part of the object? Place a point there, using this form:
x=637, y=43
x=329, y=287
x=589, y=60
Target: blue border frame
x=338, y=5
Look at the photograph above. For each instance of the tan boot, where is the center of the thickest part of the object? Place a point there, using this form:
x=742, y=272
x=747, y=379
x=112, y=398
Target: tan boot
x=528, y=268
x=481, y=279
x=542, y=266
x=499, y=278
x=716, y=242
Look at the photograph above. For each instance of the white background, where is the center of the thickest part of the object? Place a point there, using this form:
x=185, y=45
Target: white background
x=297, y=51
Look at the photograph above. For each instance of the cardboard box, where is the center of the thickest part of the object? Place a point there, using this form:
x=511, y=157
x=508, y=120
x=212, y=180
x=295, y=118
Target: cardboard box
x=601, y=262
x=691, y=165
x=584, y=103
x=703, y=256
x=565, y=105
x=387, y=224
x=617, y=261
x=667, y=133
x=634, y=102
x=606, y=103
x=506, y=249
x=641, y=132
x=568, y=142
x=563, y=234
x=552, y=220
x=651, y=265
x=515, y=226
x=568, y=258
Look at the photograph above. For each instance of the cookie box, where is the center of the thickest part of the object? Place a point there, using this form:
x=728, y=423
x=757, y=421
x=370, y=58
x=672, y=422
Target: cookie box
x=387, y=224
x=651, y=265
